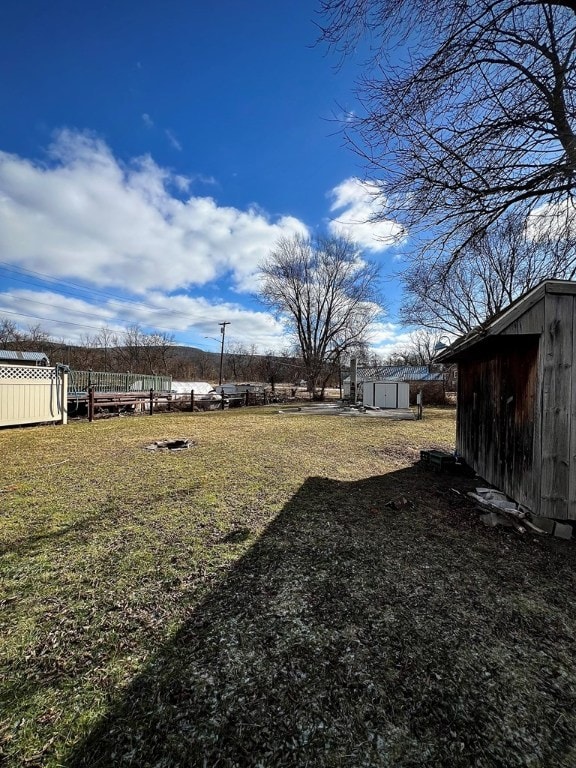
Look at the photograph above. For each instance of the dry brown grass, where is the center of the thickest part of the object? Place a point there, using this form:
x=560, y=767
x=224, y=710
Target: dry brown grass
x=256, y=600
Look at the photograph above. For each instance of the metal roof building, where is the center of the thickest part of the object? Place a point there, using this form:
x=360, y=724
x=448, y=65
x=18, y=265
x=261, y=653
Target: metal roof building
x=418, y=376
x=397, y=373
x=23, y=358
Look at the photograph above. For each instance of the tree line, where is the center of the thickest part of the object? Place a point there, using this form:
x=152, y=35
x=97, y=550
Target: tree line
x=154, y=352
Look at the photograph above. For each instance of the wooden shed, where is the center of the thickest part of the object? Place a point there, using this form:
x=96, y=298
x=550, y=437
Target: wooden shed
x=516, y=422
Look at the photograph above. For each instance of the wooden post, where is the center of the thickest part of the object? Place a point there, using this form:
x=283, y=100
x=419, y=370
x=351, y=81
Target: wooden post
x=64, y=395
x=151, y=401
x=192, y=400
x=91, y=404
x=353, y=380
x=246, y=397
x=419, y=404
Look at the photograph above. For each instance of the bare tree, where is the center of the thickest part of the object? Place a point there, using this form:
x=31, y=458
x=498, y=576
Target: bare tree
x=420, y=349
x=142, y=352
x=275, y=369
x=106, y=340
x=158, y=351
x=241, y=361
x=129, y=348
x=10, y=336
x=327, y=295
x=85, y=355
x=468, y=108
x=206, y=365
x=283, y=366
x=493, y=269
x=36, y=339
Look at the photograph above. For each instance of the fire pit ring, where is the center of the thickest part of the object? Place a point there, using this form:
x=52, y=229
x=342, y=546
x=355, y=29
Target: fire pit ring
x=171, y=445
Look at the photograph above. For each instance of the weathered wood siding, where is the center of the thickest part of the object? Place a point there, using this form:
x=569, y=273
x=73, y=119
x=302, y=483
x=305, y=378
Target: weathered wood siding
x=571, y=513
x=558, y=408
x=497, y=396
x=530, y=321
x=517, y=400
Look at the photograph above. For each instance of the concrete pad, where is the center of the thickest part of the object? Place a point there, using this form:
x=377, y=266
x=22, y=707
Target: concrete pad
x=402, y=414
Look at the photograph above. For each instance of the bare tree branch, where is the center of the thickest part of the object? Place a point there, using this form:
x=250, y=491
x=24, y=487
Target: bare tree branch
x=469, y=108
x=492, y=270
x=327, y=295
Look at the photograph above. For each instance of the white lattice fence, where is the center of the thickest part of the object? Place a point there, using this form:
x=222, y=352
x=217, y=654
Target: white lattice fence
x=31, y=395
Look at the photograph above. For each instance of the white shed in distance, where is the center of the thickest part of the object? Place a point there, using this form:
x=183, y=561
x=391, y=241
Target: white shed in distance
x=386, y=394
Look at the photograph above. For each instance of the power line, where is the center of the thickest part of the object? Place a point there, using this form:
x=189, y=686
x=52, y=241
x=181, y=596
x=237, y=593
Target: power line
x=65, y=322
x=57, y=321
x=90, y=291
x=82, y=312
x=89, y=314
x=55, y=306
x=58, y=281
x=48, y=319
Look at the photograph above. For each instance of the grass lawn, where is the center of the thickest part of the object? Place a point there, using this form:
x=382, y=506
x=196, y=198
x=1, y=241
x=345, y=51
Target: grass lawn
x=260, y=600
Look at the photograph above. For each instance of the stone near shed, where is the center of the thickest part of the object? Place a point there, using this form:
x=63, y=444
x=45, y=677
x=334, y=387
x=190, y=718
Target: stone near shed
x=492, y=519
x=544, y=523
x=493, y=495
x=563, y=531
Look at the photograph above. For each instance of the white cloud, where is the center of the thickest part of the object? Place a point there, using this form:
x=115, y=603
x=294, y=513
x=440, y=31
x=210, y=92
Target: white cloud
x=359, y=202
x=54, y=312
x=388, y=338
x=73, y=318
x=203, y=179
x=84, y=216
x=174, y=143
x=553, y=221
x=87, y=216
x=147, y=120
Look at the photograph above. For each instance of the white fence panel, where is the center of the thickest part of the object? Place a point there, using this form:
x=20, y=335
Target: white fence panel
x=31, y=395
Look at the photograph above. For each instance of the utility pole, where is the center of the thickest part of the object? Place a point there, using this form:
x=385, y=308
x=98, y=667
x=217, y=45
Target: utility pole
x=223, y=332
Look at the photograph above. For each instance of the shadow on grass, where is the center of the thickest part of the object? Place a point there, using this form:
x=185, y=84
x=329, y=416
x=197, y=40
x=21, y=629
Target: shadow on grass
x=28, y=545
x=356, y=634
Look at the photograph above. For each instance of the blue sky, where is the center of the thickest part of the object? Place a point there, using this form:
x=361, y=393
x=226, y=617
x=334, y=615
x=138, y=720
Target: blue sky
x=151, y=153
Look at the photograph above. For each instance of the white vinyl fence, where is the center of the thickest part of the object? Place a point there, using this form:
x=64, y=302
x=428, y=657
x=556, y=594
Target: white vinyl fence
x=32, y=395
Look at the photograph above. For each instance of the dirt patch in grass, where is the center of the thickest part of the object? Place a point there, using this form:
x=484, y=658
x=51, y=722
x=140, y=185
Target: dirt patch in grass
x=258, y=601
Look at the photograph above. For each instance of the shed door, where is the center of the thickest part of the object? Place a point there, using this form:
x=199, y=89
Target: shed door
x=496, y=414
